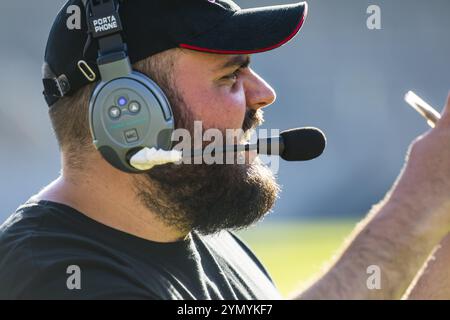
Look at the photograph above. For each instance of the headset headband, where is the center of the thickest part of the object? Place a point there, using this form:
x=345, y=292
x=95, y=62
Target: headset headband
x=105, y=26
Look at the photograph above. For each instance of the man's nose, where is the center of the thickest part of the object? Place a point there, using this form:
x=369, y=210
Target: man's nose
x=258, y=92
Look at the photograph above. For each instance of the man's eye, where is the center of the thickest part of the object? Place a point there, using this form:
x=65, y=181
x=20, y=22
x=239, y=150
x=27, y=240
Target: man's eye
x=232, y=76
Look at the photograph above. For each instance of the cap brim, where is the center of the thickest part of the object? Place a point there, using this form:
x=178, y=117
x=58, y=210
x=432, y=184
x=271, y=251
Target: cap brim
x=250, y=31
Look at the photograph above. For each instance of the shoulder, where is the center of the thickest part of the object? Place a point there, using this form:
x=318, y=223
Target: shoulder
x=26, y=230
x=17, y=231
x=17, y=264
x=41, y=258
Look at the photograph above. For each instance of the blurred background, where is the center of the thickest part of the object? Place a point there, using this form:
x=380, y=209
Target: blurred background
x=336, y=75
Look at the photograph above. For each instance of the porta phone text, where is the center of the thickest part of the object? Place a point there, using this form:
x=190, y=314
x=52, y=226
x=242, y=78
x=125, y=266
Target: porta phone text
x=105, y=24
x=226, y=310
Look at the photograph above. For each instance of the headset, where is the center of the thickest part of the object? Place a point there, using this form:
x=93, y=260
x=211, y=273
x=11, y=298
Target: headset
x=127, y=110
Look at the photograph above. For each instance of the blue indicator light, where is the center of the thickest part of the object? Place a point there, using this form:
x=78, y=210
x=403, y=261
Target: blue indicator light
x=122, y=101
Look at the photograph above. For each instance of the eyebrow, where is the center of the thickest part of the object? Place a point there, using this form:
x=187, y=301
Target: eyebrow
x=242, y=61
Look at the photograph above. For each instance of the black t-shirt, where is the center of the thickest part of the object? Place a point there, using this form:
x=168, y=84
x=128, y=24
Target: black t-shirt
x=49, y=250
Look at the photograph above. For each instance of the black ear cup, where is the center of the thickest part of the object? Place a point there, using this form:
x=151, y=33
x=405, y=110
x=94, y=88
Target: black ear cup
x=127, y=114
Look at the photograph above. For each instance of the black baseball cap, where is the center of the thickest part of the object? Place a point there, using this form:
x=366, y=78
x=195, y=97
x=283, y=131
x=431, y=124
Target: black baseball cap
x=153, y=26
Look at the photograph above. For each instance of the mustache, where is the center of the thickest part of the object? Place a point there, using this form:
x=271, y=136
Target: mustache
x=252, y=120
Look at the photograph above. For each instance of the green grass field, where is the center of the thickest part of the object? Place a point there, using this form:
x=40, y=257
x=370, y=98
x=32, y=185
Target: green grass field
x=293, y=252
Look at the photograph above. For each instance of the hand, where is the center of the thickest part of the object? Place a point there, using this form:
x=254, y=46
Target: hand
x=400, y=232
x=424, y=183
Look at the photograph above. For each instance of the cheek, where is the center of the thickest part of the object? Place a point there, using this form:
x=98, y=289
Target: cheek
x=218, y=107
x=229, y=108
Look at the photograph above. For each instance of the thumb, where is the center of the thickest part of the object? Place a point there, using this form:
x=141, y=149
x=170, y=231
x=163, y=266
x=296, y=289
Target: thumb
x=444, y=121
x=445, y=115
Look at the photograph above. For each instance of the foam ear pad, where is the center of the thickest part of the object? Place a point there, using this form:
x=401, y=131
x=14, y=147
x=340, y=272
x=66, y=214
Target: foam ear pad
x=129, y=113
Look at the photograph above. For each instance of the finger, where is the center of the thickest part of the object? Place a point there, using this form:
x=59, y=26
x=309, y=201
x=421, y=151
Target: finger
x=445, y=118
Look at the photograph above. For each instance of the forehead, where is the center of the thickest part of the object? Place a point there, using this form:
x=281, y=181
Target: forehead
x=210, y=61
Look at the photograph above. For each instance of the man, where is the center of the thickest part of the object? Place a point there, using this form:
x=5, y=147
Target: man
x=97, y=232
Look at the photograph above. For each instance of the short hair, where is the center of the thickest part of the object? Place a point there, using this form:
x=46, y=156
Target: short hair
x=69, y=115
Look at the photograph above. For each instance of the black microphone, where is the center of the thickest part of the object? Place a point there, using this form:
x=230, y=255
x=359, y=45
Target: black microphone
x=300, y=144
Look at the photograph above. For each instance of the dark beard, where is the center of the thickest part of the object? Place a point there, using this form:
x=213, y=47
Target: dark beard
x=208, y=198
